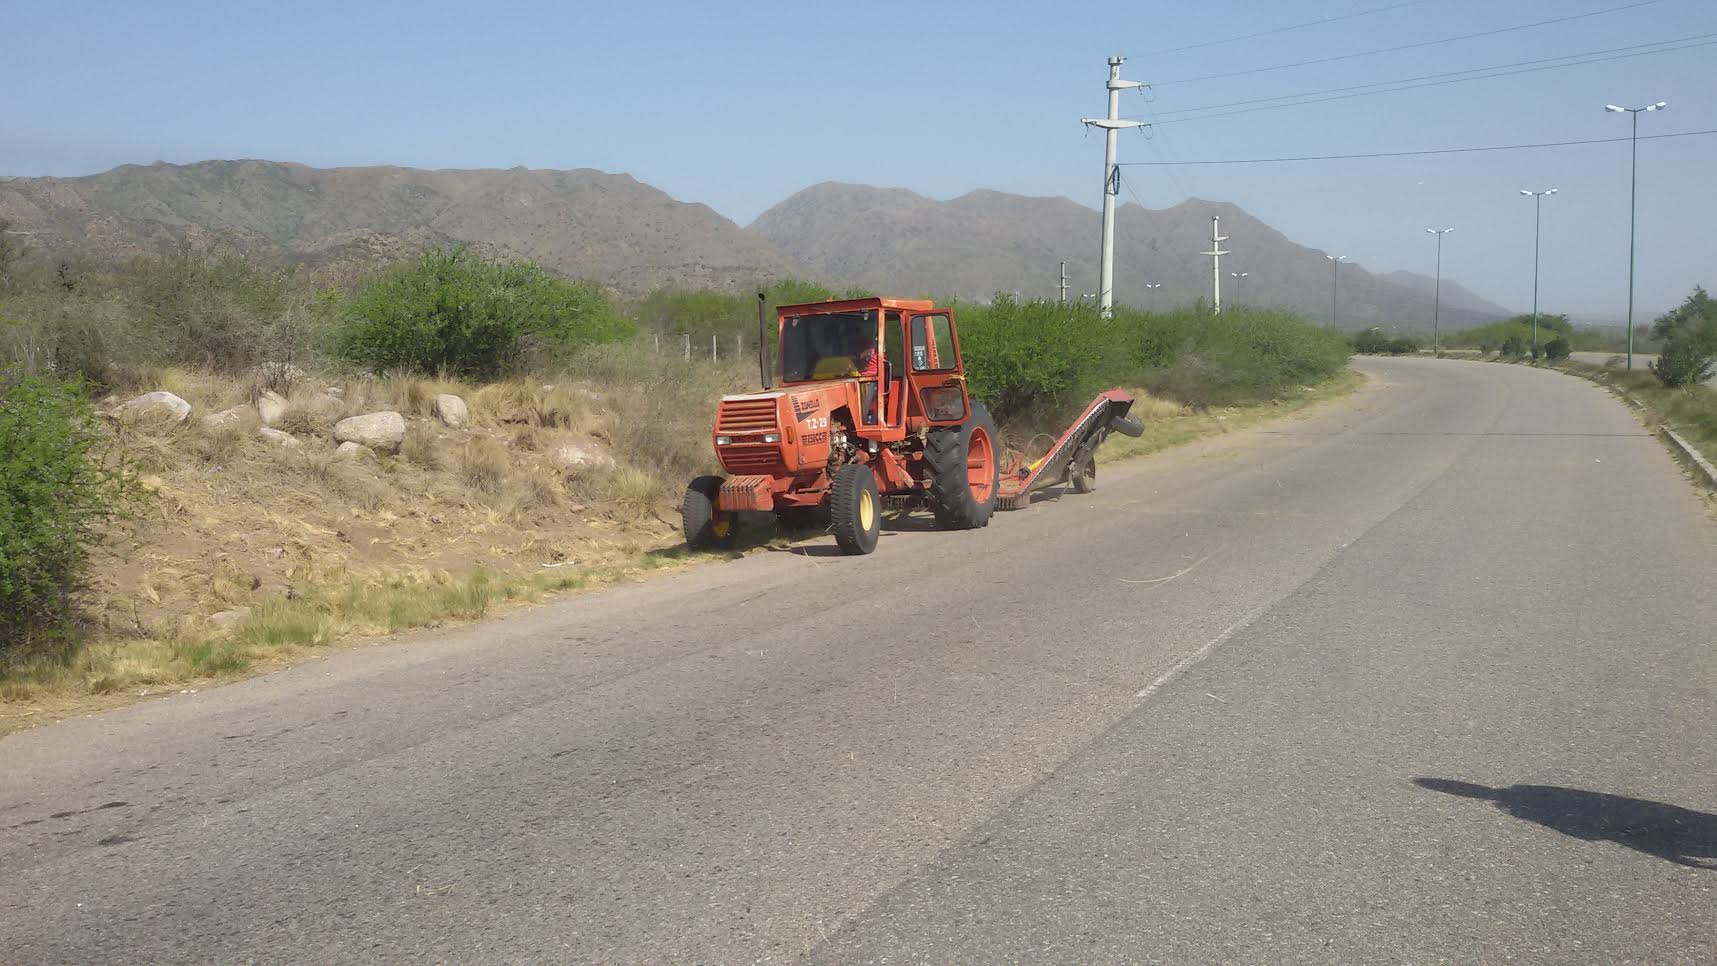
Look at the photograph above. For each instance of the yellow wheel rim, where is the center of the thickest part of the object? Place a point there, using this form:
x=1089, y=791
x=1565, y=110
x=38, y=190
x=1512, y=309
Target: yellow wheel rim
x=867, y=510
x=722, y=527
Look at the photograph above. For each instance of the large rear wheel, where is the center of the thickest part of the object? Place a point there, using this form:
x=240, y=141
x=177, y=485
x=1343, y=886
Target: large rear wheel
x=963, y=471
x=855, y=509
x=705, y=525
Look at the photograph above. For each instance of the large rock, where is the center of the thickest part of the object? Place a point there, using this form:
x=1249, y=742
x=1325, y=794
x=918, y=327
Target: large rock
x=383, y=431
x=159, y=404
x=270, y=406
x=276, y=437
x=226, y=417
x=451, y=410
x=572, y=455
x=353, y=451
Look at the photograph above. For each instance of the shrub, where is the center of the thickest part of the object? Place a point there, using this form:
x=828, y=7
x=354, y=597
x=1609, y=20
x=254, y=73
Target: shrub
x=1557, y=349
x=1513, y=346
x=55, y=497
x=453, y=312
x=1689, y=334
x=1403, y=345
x=1370, y=342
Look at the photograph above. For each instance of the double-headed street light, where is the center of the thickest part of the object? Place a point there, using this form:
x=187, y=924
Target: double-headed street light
x=1633, y=195
x=1437, y=294
x=1537, y=209
x=1334, y=267
x=1237, y=276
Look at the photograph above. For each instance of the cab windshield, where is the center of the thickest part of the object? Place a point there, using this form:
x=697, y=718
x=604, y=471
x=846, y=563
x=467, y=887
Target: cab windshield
x=827, y=345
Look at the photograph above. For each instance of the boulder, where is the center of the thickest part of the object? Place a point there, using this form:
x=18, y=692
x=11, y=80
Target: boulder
x=226, y=620
x=353, y=451
x=270, y=406
x=226, y=417
x=572, y=455
x=451, y=410
x=383, y=431
x=162, y=404
x=276, y=437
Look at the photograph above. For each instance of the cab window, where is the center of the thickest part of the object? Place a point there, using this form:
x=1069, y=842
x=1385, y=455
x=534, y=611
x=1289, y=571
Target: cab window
x=932, y=343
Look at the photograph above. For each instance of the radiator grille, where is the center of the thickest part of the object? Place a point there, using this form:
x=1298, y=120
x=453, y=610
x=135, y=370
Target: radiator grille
x=746, y=416
x=753, y=460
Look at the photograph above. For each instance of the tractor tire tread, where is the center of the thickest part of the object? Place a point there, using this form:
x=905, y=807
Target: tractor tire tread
x=850, y=535
x=950, y=493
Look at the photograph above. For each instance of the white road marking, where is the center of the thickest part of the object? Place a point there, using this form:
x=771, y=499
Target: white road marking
x=1201, y=653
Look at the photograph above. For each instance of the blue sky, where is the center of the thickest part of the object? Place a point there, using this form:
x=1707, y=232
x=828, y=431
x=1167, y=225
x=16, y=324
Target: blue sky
x=739, y=105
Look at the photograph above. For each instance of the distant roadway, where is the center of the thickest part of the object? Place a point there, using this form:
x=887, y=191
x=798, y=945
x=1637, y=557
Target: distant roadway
x=1428, y=676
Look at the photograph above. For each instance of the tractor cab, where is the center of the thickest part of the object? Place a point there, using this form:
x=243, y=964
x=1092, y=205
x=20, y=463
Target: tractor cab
x=900, y=353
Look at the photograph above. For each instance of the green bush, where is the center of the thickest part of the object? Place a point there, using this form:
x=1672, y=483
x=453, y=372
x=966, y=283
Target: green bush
x=1514, y=346
x=1557, y=349
x=1034, y=362
x=55, y=497
x=453, y=312
x=1689, y=335
x=1372, y=341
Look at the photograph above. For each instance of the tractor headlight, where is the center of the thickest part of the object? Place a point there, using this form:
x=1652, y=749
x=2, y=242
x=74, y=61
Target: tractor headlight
x=944, y=403
x=772, y=437
x=723, y=440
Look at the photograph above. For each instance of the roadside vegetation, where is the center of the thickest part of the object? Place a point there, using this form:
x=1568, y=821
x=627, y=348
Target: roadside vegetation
x=1373, y=342
x=1673, y=390
x=145, y=547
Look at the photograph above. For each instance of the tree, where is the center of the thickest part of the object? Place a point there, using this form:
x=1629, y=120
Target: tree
x=12, y=252
x=1689, y=336
x=452, y=311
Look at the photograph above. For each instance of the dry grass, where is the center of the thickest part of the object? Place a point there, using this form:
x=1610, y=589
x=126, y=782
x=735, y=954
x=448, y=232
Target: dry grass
x=484, y=466
x=1169, y=424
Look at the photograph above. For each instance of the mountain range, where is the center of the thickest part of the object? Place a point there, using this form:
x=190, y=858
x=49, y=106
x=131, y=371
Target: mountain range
x=633, y=237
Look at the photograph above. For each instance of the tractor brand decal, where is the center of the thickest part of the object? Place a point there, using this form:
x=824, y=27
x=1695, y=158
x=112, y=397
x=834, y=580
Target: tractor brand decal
x=805, y=407
x=815, y=439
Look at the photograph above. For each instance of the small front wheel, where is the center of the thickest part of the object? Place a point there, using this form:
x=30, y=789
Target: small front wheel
x=1083, y=474
x=706, y=525
x=855, y=509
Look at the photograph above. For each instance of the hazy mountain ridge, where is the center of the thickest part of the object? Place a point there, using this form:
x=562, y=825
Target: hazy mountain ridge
x=633, y=237
x=986, y=242
x=582, y=223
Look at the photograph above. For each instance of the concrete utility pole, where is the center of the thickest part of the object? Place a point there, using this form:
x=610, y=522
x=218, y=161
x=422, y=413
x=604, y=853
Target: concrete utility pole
x=1437, y=293
x=1216, y=253
x=1633, y=197
x=1111, y=181
x=1537, y=220
x=1334, y=269
x=1064, y=281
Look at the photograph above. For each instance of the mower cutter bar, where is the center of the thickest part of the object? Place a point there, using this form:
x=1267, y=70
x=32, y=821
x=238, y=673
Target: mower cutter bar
x=1107, y=413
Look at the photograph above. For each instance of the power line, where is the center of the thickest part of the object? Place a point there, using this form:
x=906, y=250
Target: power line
x=1446, y=74
x=1408, y=154
x=1283, y=30
x=1412, y=46
x=1404, y=86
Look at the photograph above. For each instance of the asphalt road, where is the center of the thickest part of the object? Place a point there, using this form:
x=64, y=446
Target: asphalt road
x=1426, y=677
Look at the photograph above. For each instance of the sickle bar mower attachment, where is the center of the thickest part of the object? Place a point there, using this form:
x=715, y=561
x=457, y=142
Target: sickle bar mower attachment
x=1073, y=457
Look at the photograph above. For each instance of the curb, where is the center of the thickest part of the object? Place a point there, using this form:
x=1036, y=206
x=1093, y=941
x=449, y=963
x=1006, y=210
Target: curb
x=1700, y=463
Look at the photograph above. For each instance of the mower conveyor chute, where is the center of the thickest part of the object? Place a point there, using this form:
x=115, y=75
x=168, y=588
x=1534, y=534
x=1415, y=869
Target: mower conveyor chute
x=1073, y=457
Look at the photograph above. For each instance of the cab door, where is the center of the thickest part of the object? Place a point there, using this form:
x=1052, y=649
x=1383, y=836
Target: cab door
x=934, y=374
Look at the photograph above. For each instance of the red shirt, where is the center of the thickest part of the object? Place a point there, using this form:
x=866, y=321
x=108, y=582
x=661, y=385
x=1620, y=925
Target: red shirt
x=867, y=363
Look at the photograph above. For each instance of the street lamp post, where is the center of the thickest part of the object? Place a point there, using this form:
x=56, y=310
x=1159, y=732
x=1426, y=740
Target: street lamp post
x=1437, y=294
x=1537, y=213
x=1237, y=276
x=1334, y=267
x=1633, y=196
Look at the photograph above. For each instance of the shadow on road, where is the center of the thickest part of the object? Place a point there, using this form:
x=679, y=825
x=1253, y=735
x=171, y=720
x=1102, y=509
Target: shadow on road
x=1680, y=835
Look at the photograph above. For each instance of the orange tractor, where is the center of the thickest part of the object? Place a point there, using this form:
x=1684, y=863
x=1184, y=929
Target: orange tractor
x=872, y=404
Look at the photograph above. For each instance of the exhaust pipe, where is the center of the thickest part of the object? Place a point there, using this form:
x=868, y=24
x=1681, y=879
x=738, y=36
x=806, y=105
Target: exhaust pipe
x=762, y=346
